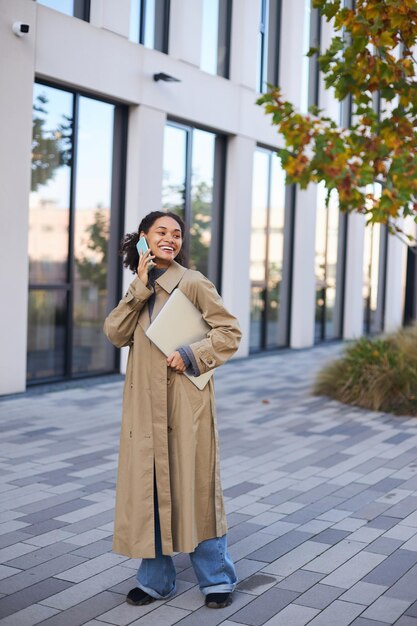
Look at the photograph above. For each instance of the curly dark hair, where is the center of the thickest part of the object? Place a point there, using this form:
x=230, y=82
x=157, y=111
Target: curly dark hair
x=128, y=244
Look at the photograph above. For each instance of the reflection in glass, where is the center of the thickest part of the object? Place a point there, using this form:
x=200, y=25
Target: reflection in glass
x=188, y=189
x=135, y=20
x=63, y=6
x=260, y=194
x=262, y=65
x=275, y=249
x=148, y=23
x=209, y=41
x=46, y=333
x=371, y=259
x=305, y=68
x=327, y=235
x=174, y=170
x=50, y=185
x=268, y=53
x=371, y=278
x=331, y=265
x=267, y=250
x=91, y=234
x=257, y=308
x=201, y=199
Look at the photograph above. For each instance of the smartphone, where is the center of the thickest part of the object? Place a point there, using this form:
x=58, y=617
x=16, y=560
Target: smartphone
x=142, y=246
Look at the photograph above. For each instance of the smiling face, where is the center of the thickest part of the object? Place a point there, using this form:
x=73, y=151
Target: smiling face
x=165, y=240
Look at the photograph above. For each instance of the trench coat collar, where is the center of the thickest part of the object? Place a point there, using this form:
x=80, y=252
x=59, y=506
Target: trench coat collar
x=170, y=279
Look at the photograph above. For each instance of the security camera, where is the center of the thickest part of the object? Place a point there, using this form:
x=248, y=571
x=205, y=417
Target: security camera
x=20, y=29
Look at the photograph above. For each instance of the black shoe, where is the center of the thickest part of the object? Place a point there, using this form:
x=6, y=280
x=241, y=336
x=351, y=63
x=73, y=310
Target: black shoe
x=218, y=600
x=138, y=597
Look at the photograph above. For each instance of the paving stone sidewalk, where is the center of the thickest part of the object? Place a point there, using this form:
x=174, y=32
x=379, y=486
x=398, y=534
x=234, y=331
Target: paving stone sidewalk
x=321, y=501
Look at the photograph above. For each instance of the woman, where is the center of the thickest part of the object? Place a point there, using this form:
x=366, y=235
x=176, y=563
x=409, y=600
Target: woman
x=169, y=497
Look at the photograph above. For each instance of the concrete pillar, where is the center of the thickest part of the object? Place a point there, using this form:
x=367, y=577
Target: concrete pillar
x=114, y=16
x=292, y=51
x=237, y=232
x=185, y=30
x=303, y=282
x=16, y=86
x=327, y=99
x=353, y=309
x=244, y=43
x=144, y=174
x=395, y=283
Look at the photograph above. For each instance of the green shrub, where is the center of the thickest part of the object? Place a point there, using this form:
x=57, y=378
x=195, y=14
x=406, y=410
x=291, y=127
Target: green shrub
x=378, y=374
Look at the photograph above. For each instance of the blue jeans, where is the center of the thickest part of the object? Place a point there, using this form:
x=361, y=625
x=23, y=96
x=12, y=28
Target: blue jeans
x=211, y=562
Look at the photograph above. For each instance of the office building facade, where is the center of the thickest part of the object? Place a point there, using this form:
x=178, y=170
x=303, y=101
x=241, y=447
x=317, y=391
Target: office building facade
x=113, y=109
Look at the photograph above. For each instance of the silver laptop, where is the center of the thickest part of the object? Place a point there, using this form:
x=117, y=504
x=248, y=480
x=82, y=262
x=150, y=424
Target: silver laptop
x=179, y=323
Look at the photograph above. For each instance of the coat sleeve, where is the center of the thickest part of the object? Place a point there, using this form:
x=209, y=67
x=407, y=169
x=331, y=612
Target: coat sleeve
x=120, y=324
x=224, y=337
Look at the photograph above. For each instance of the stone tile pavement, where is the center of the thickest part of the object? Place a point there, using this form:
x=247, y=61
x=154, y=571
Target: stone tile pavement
x=321, y=501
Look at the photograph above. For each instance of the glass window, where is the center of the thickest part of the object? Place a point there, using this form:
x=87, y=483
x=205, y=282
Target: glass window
x=77, y=8
x=371, y=278
x=267, y=251
x=268, y=44
x=373, y=272
x=46, y=333
x=149, y=23
x=91, y=234
x=275, y=251
x=192, y=187
x=326, y=261
x=202, y=199
x=175, y=170
x=51, y=185
x=310, y=67
x=215, y=41
x=73, y=219
x=258, y=249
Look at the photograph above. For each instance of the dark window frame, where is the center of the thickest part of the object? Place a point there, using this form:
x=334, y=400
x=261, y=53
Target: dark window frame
x=115, y=274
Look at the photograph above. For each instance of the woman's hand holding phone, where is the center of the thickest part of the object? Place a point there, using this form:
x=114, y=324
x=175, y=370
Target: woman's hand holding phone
x=145, y=260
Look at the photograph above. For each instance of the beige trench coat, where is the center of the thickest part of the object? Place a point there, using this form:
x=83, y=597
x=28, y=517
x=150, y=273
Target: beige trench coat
x=168, y=423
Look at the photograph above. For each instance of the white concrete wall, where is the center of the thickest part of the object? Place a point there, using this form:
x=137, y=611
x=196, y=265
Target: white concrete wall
x=143, y=176
x=291, y=50
x=353, y=318
x=236, y=238
x=244, y=43
x=114, y=16
x=16, y=87
x=106, y=64
x=185, y=30
x=303, y=283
